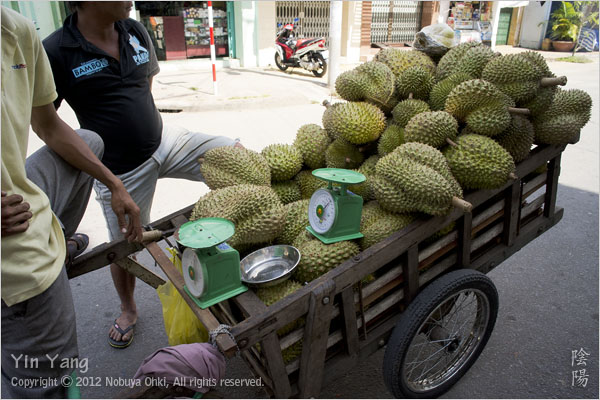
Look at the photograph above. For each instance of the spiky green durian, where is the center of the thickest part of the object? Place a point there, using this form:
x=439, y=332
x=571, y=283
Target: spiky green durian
x=272, y=294
x=285, y=161
x=432, y=128
x=312, y=141
x=296, y=221
x=405, y=182
x=368, y=170
x=407, y=109
x=441, y=90
x=448, y=63
x=288, y=191
x=256, y=212
x=415, y=80
x=358, y=123
x=478, y=162
x=392, y=137
x=400, y=60
x=343, y=154
x=475, y=60
x=318, y=258
x=518, y=138
x=379, y=224
x=561, y=122
x=372, y=82
x=488, y=105
x=308, y=183
x=229, y=166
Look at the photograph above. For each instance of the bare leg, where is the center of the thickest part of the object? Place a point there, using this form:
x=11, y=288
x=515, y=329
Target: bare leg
x=125, y=285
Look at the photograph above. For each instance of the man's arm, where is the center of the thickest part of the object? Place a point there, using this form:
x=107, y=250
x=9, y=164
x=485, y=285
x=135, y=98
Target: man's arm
x=65, y=142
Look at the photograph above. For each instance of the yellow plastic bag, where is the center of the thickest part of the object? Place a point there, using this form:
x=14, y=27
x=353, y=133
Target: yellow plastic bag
x=181, y=324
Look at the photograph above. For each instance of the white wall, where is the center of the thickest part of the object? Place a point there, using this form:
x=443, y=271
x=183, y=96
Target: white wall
x=532, y=33
x=267, y=29
x=245, y=32
x=352, y=11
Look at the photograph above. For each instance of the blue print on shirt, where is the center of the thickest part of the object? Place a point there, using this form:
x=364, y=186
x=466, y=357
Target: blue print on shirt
x=90, y=67
x=141, y=55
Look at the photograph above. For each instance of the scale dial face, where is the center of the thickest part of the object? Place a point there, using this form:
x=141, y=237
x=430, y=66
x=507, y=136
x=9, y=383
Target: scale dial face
x=193, y=273
x=321, y=211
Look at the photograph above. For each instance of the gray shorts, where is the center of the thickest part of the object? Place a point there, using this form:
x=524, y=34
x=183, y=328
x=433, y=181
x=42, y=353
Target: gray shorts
x=176, y=157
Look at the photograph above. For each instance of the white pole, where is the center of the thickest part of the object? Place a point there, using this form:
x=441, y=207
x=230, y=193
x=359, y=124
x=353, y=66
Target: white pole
x=335, y=40
x=213, y=53
x=495, y=22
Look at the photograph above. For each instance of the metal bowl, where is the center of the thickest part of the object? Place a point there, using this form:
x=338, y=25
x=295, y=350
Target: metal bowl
x=270, y=265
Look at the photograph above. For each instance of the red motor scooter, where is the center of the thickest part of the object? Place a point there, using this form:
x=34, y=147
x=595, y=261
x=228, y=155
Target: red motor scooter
x=309, y=54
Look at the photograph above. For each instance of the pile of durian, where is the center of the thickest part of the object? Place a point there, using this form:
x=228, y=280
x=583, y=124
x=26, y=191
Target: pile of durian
x=421, y=133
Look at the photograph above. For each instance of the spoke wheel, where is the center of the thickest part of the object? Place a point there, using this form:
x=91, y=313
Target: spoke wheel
x=320, y=71
x=440, y=335
x=279, y=62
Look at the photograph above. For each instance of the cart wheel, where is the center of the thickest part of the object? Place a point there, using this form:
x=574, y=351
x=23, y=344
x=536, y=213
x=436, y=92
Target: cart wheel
x=440, y=335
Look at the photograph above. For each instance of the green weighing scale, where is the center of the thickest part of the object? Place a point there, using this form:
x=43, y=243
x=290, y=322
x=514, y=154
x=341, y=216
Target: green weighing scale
x=211, y=268
x=334, y=213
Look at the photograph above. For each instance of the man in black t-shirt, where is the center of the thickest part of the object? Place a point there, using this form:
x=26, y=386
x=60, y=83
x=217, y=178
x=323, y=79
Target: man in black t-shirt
x=103, y=65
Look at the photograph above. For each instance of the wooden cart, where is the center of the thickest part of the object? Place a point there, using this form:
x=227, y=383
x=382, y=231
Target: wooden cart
x=419, y=285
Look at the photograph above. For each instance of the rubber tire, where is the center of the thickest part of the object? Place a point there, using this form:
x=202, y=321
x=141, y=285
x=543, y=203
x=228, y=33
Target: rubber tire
x=319, y=57
x=414, y=316
x=279, y=63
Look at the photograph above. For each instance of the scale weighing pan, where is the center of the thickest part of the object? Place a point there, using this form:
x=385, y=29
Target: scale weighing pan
x=270, y=265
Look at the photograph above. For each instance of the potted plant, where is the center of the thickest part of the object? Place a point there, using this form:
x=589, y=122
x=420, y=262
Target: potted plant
x=565, y=26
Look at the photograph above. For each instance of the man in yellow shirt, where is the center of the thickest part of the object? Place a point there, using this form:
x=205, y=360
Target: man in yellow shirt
x=39, y=338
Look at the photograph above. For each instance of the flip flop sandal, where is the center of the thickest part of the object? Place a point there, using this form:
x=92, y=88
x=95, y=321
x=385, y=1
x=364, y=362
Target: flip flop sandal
x=81, y=243
x=121, y=344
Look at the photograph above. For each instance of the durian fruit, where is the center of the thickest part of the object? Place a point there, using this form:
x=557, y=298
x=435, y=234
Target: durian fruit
x=478, y=162
x=392, y=137
x=272, y=294
x=288, y=191
x=432, y=128
x=285, y=161
x=400, y=60
x=545, y=94
x=296, y=221
x=229, y=166
x=368, y=170
x=441, y=90
x=416, y=81
x=256, y=212
x=450, y=60
x=302, y=238
x=358, y=123
x=343, y=154
x=308, y=183
x=481, y=105
x=312, y=141
x=474, y=61
x=416, y=177
x=518, y=76
x=561, y=122
x=372, y=82
x=407, y=109
x=518, y=138
x=318, y=258
x=379, y=224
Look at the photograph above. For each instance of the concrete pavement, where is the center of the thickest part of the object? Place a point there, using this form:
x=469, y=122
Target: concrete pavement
x=549, y=290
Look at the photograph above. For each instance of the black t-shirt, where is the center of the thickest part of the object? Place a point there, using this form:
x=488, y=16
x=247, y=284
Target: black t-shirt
x=110, y=97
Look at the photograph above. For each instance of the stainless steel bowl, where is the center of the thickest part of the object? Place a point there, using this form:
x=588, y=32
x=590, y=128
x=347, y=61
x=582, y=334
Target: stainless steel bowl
x=270, y=265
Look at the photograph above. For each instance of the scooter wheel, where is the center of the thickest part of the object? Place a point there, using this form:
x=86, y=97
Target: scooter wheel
x=318, y=58
x=279, y=62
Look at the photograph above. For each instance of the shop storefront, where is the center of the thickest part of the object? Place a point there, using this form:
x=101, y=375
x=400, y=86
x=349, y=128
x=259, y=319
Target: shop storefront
x=180, y=29
x=472, y=20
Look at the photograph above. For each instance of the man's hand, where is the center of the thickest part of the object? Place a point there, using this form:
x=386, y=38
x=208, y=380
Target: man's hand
x=15, y=214
x=123, y=205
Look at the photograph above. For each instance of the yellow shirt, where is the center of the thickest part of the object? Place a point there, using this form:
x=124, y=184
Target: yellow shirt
x=32, y=260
